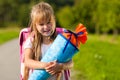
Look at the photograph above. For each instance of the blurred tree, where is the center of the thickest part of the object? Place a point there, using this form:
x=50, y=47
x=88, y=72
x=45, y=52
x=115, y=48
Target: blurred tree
x=8, y=12
x=24, y=12
x=72, y=15
x=105, y=16
x=115, y=5
x=97, y=15
x=58, y=5
x=82, y=12
x=65, y=17
x=24, y=15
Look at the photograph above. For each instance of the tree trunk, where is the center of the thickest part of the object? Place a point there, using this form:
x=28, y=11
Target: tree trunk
x=115, y=33
x=97, y=31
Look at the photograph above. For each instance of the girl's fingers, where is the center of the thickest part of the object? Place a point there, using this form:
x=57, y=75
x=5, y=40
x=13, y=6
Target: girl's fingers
x=53, y=68
x=51, y=65
x=50, y=69
x=51, y=72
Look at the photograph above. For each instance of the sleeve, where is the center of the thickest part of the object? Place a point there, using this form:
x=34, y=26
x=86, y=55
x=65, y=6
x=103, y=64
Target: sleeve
x=27, y=43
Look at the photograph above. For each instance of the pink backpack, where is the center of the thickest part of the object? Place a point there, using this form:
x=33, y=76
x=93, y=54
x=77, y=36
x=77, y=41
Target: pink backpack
x=22, y=38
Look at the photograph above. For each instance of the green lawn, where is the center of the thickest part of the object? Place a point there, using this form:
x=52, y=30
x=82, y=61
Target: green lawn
x=98, y=59
x=7, y=34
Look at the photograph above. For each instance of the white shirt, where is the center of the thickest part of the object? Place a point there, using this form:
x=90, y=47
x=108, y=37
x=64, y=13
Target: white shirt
x=44, y=48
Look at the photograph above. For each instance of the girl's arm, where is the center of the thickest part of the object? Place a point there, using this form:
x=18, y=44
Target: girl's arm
x=55, y=67
x=67, y=65
x=30, y=62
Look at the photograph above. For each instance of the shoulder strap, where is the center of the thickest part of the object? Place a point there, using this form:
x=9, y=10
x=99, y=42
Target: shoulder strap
x=67, y=74
x=60, y=30
x=22, y=37
x=23, y=34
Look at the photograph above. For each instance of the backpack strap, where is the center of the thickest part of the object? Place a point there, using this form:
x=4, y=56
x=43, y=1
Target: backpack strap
x=67, y=74
x=22, y=37
x=60, y=30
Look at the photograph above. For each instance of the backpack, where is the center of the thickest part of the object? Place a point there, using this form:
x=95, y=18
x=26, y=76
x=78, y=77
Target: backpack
x=23, y=35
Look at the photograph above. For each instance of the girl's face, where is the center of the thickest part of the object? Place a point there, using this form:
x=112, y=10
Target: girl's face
x=45, y=28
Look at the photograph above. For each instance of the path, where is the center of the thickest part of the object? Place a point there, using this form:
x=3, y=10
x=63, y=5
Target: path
x=9, y=60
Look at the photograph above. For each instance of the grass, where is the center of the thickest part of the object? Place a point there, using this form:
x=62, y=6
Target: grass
x=98, y=59
x=7, y=34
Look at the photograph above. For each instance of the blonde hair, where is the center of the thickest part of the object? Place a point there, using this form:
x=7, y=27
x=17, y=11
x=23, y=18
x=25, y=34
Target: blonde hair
x=41, y=12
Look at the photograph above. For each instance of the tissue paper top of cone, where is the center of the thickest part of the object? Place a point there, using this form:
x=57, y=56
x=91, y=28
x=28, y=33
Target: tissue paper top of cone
x=77, y=37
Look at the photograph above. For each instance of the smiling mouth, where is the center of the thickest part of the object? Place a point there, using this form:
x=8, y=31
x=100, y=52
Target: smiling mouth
x=47, y=31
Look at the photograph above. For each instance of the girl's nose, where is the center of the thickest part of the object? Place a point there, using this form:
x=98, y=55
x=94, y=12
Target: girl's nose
x=45, y=26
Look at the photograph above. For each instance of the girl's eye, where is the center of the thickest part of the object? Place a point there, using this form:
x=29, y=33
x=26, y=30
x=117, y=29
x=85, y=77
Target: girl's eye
x=41, y=24
x=49, y=23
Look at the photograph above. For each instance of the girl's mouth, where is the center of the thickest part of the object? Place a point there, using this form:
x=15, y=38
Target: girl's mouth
x=47, y=32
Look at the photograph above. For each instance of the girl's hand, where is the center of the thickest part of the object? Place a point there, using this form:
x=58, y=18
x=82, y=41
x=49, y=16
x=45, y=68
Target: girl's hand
x=54, y=67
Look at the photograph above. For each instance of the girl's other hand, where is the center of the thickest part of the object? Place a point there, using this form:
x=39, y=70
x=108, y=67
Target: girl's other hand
x=54, y=67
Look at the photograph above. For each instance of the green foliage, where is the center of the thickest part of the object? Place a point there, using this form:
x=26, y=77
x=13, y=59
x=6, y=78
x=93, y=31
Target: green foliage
x=105, y=15
x=65, y=17
x=98, y=59
x=24, y=11
x=97, y=15
x=8, y=11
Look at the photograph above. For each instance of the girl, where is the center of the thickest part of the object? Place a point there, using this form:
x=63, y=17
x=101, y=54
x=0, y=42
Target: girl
x=43, y=33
